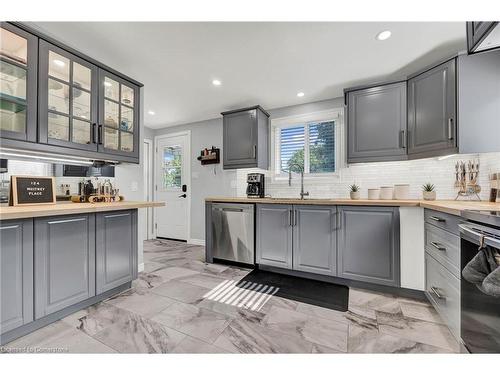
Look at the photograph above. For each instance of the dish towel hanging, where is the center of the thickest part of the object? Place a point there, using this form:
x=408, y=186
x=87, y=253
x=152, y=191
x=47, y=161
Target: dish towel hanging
x=483, y=271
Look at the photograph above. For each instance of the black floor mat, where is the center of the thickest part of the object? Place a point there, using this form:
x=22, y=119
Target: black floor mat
x=314, y=292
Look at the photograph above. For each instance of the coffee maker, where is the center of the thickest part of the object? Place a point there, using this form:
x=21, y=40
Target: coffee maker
x=255, y=188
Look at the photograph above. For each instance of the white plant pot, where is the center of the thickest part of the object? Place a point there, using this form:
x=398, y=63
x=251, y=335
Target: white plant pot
x=355, y=194
x=429, y=195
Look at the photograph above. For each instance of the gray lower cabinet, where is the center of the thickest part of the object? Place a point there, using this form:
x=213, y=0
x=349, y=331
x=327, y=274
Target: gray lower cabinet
x=315, y=239
x=16, y=272
x=368, y=244
x=116, y=249
x=64, y=262
x=432, y=125
x=376, y=123
x=274, y=235
x=245, y=138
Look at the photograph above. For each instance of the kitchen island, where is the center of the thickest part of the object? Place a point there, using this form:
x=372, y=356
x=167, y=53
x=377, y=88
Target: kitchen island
x=57, y=259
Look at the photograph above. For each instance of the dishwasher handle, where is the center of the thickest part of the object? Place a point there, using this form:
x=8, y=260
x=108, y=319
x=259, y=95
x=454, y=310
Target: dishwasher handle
x=229, y=209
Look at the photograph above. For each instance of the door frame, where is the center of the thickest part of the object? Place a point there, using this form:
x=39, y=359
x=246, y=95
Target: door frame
x=149, y=193
x=188, y=176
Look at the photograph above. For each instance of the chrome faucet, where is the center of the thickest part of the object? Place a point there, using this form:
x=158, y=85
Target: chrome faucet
x=302, y=193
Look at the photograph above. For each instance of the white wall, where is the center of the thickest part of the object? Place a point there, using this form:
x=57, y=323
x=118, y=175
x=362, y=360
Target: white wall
x=369, y=175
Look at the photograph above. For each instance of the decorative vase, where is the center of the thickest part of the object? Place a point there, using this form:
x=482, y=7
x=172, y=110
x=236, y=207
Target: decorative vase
x=429, y=195
x=355, y=194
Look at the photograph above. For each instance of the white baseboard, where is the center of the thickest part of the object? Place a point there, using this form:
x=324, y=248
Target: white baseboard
x=195, y=241
x=140, y=267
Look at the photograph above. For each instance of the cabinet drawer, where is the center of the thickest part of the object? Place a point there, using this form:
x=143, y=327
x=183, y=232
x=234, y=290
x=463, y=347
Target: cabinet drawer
x=443, y=290
x=444, y=247
x=442, y=220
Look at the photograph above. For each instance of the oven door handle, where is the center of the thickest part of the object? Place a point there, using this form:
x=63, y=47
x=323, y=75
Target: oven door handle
x=479, y=237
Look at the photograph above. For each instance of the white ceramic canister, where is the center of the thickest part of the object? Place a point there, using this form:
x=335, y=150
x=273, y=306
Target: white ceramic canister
x=373, y=194
x=386, y=192
x=402, y=191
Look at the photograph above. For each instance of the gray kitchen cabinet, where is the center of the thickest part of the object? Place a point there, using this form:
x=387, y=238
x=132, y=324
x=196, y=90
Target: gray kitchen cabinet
x=245, y=138
x=64, y=262
x=482, y=35
x=16, y=272
x=368, y=244
x=116, y=249
x=18, y=89
x=479, y=102
x=432, y=125
x=315, y=239
x=118, y=129
x=274, y=235
x=376, y=123
x=68, y=90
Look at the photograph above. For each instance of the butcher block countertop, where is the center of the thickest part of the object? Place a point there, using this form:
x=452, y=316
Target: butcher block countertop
x=451, y=207
x=67, y=208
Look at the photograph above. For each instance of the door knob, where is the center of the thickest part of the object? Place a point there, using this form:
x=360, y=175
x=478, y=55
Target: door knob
x=183, y=196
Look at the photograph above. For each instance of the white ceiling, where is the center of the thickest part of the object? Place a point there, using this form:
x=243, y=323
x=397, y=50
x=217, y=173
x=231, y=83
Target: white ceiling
x=258, y=63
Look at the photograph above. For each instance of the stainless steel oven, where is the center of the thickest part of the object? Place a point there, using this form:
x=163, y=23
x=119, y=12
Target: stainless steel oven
x=480, y=311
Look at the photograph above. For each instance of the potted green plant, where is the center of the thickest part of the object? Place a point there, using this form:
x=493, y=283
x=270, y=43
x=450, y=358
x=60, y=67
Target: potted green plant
x=354, y=191
x=429, y=192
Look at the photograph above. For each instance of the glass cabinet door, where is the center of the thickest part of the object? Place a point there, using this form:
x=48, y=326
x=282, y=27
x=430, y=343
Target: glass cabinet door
x=118, y=115
x=68, y=99
x=18, y=69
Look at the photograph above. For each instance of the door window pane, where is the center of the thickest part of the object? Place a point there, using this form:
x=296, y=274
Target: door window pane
x=58, y=96
x=127, y=120
x=111, y=138
x=127, y=142
x=172, y=159
x=322, y=147
x=58, y=66
x=81, y=76
x=127, y=96
x=13, y=46
x=111, y=89
x=81, y=104
x=12, y=81
x=81, y=132
x=58, y=127
x=111, y=114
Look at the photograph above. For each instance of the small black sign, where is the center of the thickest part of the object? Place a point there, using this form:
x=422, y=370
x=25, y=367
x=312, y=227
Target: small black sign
x=32, y=190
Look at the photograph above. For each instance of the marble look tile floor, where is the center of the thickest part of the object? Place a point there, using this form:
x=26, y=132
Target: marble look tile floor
x=180, y=304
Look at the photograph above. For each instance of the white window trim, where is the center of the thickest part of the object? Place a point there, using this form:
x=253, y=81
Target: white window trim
x=336, y=115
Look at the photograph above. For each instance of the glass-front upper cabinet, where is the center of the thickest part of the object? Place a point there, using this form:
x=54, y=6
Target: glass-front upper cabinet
x=118, y=115
x=18, y=83
x=68, y=87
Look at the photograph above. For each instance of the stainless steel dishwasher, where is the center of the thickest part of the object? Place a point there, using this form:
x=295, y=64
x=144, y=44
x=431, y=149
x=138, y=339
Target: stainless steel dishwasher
x=233, y=232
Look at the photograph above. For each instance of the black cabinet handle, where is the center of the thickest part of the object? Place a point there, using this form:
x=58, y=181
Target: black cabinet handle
x=99, y=135
x=184, y=196
x=92, y=135
x=402, y=139
x=450, y=129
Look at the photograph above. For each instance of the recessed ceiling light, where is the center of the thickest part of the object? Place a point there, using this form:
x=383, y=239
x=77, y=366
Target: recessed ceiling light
x=216, y=82
x=59, y=62
x=300, y=94
x=383, y=35
x=152, y=113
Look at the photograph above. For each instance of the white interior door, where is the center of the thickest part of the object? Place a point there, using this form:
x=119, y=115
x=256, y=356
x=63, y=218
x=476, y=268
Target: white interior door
x=172, y=186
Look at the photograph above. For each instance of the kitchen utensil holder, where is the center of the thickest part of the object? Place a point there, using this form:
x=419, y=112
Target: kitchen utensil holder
x=466, y=180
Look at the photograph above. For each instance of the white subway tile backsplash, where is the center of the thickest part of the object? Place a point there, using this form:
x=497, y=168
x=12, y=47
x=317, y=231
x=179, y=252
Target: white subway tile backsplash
x=441, y=173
